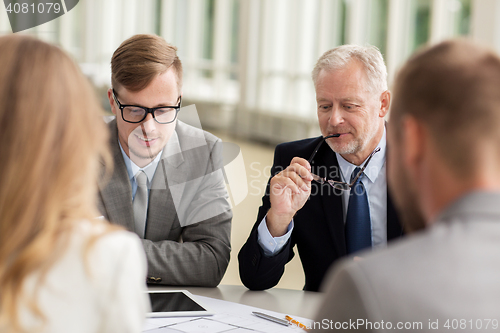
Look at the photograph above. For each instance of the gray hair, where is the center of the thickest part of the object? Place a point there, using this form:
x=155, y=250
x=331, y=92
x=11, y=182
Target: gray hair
x=369, y=56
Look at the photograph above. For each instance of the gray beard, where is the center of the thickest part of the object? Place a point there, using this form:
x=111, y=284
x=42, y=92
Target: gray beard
x=356, y=145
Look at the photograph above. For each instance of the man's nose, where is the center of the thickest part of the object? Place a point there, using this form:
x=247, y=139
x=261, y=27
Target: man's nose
x=148, y=125
x=336, y=117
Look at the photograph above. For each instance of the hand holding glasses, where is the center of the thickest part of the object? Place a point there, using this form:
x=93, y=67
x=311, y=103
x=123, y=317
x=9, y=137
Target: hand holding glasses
x=336, y=184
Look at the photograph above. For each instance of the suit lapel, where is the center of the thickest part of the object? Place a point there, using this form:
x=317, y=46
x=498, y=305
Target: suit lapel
x=333, y=207
x=331, y=199
x=117, y=192
x=166, y=190
x=394, y=229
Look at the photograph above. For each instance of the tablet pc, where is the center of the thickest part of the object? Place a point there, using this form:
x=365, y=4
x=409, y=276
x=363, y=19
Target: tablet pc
x=176, y=303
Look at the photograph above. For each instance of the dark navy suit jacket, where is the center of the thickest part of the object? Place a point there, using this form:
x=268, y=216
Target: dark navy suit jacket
x=319, y=225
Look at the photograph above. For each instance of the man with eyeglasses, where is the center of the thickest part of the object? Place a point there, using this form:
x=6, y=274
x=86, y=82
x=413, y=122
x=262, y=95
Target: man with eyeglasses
x=328, y=195
x=167, y=183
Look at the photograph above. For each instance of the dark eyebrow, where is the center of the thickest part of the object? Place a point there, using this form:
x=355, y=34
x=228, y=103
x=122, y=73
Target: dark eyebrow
x=154, y=107
x=160, y=105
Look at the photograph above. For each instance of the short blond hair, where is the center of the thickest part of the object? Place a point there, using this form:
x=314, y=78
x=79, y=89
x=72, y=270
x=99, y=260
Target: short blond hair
x=141, y=58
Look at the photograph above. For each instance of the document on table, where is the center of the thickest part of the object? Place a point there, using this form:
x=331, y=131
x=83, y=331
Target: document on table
x=230, y=317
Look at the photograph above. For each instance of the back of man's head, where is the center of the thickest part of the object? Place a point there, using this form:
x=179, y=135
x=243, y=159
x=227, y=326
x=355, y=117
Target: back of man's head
x=369, y=56
x=453, y=89
x=141, y=58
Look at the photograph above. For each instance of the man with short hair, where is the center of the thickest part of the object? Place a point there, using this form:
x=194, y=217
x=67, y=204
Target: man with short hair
x=309, y=201
x=444, y=169
x=167, y=183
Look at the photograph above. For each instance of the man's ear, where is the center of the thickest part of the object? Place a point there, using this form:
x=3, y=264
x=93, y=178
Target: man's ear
x=111, y=101
x=385, y=103
x=414, y=139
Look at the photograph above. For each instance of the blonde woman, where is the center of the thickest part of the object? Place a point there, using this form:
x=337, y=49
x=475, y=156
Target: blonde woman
x=61, y=269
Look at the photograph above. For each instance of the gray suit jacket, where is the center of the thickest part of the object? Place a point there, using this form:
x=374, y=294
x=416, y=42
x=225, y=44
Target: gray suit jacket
x=447, y=275
x=187, y=237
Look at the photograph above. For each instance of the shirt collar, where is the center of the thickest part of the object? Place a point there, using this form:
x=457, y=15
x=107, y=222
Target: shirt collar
x=372, y=170
x=132, y=168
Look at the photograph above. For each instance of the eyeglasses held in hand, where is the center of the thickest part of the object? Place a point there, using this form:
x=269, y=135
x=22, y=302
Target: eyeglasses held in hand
x=335, y=184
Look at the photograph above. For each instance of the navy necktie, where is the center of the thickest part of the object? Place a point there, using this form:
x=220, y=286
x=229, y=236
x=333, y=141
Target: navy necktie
x=358, y=228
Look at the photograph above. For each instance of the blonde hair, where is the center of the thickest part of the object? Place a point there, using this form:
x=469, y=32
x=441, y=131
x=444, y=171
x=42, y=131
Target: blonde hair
x=141, y=58
x=52, y=142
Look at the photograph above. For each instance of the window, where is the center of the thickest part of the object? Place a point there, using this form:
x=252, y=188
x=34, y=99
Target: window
x=378, y=25
x=421, y=23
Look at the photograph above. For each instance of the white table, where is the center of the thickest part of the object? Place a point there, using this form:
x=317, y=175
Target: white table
x=292, y=302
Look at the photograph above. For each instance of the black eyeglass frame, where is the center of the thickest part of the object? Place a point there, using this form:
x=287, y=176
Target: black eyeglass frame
x=336, y=184
x=148, y=110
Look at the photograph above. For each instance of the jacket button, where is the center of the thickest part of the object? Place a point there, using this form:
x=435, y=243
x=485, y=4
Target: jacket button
x=153, y=279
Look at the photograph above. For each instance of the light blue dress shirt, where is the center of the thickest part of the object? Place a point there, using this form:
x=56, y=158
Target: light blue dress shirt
x=132, y=170
x=375, y=183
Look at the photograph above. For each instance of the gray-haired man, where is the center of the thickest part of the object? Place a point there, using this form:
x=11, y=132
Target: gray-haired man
x=326, y=218
x=444, y=168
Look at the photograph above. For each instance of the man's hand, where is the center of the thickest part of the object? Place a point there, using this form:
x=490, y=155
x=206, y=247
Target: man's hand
x=289, y=191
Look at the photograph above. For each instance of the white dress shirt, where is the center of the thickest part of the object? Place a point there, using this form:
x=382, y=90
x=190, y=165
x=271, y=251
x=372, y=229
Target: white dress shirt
x=375, y=183
x=132, y=170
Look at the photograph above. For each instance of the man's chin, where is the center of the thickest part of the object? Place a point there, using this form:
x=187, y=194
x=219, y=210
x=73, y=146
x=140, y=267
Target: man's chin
x=343, y=149
x=143, y=154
